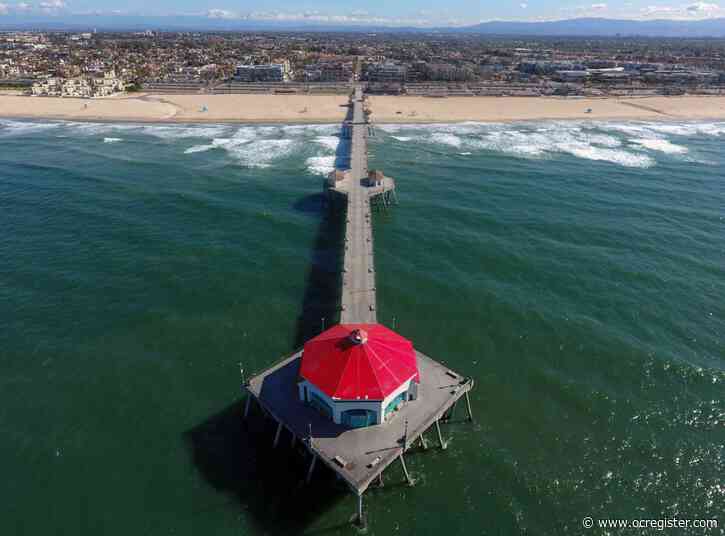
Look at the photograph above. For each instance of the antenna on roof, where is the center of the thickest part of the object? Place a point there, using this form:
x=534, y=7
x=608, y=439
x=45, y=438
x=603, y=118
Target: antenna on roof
x=323, y=323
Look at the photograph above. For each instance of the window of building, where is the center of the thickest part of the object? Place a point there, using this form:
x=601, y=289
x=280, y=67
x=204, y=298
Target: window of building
x=359, y=418
x=395, y=403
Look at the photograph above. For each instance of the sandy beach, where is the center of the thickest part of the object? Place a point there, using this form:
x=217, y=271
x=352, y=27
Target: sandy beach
x=181, y=108
x=331, y=109
x=454, y=109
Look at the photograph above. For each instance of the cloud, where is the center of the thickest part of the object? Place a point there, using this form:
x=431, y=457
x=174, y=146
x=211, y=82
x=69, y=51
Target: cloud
x=523, y=6
x=702, y=7
x=657, y=10
x=221, y=14
x=598, y=7
x=696, y=10
x=354, y=17
x=52, y=7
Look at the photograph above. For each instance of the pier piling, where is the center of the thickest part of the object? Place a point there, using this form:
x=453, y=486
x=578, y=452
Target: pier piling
x=312, y=468
x=468, y=407
x=440, y=436
x=405, y=471
x=276, y=435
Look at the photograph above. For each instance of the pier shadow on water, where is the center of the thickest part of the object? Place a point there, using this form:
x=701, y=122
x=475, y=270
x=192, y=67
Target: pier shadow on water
x=321, y=298
x=236, y=456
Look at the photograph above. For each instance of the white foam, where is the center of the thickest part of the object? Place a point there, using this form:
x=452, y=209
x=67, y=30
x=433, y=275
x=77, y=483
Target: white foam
x=661, y=129
x=446, y=138
x=663, y=146
x=320, y=165
x=199, y=149
x=581, y=140
x=322, y=129
x=260, y=153
x=217, y=143
x=712, y=129
x=178, y=131
x=603, y=139
x=11, y=127
x=112, y=140
x=392, y=129
x=683, y=129
x=330, y=142
x=616, y=156
x=514, y=142
x=95, y=129
x=402, y=138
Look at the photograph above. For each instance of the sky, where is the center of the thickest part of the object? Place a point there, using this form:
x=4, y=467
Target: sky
x=383, y=12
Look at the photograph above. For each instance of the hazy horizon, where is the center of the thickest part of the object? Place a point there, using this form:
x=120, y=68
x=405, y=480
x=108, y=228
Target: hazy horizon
x=408, y=13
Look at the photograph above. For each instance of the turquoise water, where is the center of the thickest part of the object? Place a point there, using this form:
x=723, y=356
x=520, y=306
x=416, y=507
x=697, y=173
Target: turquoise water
x=576, y=270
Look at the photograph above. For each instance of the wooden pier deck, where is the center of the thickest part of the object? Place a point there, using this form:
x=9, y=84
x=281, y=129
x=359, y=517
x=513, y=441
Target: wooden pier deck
x=358, y=278
x=358, y=456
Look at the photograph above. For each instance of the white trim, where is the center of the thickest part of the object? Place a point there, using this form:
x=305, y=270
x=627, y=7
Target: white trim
x=339, y=406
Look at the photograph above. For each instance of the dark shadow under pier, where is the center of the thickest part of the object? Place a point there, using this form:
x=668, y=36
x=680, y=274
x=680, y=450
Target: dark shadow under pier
x=321, y=299
x=236, y=457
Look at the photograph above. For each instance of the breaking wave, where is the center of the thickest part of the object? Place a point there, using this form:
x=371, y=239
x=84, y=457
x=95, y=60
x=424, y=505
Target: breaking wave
x=320, y=165
x=628, y=144
x=330, y=142
x=664, y=146
x=624, y=143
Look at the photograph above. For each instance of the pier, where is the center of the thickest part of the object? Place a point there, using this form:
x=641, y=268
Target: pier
x=358, y=456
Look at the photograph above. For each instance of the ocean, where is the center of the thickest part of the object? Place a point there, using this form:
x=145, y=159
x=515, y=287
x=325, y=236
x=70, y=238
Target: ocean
x=575, y=269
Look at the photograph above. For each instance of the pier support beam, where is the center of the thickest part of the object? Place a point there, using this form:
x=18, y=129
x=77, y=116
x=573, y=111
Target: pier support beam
x=468, y=406
x=451, y=412
x=360, y=515
x=276, y=435
x=405, y=470
x=312, y=468
x=423, y=442
x=440, y=436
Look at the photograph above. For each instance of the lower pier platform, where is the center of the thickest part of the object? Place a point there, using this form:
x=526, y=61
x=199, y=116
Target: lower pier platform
x=358, y=456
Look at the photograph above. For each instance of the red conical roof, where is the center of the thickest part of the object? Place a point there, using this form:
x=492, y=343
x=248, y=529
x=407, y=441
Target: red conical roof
x=358, y=361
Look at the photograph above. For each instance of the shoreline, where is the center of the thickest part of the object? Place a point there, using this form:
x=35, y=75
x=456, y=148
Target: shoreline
x=331, y=109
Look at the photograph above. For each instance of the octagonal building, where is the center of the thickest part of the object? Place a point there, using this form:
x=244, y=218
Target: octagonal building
x=358, y=375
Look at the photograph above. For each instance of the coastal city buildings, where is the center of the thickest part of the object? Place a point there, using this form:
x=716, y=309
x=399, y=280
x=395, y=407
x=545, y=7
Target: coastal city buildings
x=79, y=64
x=81, y=86
x=264, y=72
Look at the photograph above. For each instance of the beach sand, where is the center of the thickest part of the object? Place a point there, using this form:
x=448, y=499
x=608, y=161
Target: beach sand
x=453, y=109
x=181, y=108
x=332, y=109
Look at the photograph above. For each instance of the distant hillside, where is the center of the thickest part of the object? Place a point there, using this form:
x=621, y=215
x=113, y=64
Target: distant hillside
x=572, y=27
x=605, y=27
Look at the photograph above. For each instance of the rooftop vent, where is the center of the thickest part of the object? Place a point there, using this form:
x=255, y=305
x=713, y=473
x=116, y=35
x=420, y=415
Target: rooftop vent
x=359, y=336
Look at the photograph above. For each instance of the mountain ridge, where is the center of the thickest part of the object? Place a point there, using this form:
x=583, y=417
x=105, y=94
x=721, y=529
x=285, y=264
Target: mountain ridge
x=579, y=27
